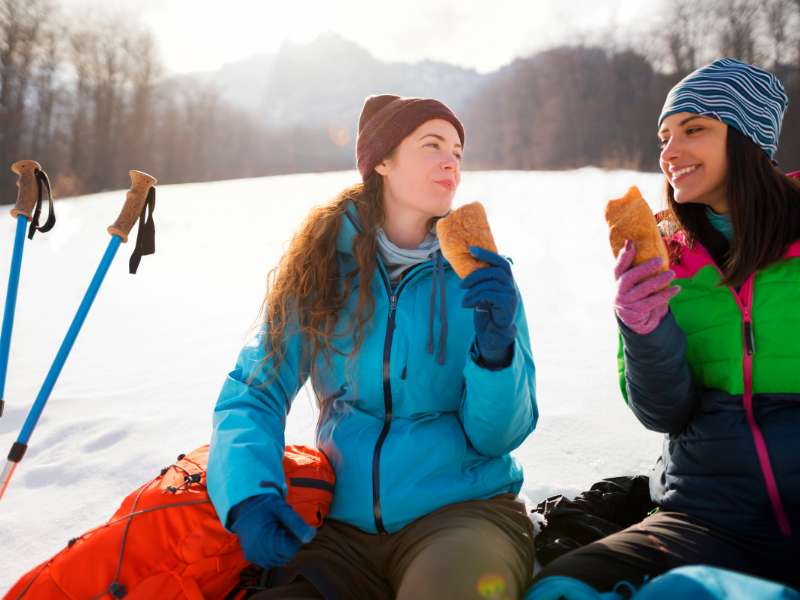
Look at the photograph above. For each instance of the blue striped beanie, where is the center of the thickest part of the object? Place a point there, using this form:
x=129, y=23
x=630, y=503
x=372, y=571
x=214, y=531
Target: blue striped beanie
x=743, y=96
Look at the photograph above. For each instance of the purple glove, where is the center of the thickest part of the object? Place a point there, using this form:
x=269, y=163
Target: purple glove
x=642, y=293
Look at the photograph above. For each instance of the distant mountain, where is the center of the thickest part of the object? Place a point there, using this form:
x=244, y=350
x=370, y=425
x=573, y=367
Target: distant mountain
x=243, y=83
x=324, y=82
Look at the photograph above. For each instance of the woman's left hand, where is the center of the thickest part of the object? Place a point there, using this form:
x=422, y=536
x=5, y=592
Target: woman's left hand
x=493, y=295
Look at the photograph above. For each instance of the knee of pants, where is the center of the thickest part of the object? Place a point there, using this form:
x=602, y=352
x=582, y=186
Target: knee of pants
x=464, y=566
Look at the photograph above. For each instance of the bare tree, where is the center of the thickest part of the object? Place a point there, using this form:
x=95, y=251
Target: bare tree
x=20, y=38
x=82, y=45
x=110, y=62
x=144, y=68
x=115, y=67
x=776, y=14
x=678, y=41
x=795, y=30
x=739, y=25
x=680, y=38
x=46, y=97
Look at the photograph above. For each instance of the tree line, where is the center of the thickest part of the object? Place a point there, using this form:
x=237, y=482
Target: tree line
x=89, y=99
x=596, y=102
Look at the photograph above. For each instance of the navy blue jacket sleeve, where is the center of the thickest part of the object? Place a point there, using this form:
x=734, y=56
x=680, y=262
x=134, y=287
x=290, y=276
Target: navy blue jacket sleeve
x=658, y=382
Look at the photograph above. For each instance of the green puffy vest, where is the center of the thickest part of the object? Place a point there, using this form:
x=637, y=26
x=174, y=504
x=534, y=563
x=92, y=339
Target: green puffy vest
x=714, y=321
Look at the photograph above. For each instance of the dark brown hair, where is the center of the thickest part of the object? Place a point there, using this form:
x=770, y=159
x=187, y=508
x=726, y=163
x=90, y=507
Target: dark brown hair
x=764, y=207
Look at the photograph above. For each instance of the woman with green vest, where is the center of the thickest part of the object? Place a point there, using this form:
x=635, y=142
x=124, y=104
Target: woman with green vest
x=713, y=360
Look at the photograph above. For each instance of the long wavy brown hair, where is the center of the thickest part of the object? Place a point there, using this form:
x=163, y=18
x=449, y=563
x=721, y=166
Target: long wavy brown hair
x=764, y=208
x=306, y=291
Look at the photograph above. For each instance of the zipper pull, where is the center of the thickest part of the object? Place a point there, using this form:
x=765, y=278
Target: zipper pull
x=749, y=338
x=392, y=304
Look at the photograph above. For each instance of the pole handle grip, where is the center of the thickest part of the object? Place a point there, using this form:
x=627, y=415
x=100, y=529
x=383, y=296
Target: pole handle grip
x=28, y=190
x=141, y=183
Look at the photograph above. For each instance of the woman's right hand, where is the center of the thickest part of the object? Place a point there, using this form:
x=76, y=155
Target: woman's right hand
x=270, y=531
x=642, y=293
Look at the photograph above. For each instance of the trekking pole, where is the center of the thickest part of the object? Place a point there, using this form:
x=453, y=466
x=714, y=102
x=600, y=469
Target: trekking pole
x=140, y=198
x=31, y=182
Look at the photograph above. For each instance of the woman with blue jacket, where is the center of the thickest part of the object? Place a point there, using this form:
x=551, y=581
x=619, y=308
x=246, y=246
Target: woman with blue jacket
x=425, y=384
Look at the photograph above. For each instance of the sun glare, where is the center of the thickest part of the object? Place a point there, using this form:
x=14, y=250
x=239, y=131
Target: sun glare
x=202, y=35
x=235, y=29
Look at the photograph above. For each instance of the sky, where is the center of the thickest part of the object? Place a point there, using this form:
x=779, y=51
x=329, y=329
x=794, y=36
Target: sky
x=201, y=35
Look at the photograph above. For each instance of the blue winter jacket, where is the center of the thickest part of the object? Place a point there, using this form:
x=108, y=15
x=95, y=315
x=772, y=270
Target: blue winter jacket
x=411, y=423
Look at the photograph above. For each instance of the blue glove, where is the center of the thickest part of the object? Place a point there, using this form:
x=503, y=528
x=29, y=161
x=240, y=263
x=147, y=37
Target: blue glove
x=269, y=530
x=493, y=295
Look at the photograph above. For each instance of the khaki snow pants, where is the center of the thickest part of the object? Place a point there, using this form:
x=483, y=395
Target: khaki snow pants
x=480, y=549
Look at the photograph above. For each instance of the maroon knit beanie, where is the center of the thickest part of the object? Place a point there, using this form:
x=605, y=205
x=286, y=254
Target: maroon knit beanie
x=385, y=120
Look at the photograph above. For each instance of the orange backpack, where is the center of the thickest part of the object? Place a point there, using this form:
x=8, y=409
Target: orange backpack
x=165, y=541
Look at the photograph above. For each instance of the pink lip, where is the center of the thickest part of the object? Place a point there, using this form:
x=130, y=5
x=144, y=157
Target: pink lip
x=446, y=183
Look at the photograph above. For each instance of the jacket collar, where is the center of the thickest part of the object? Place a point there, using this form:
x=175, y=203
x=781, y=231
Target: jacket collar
x=351, y=226
x=687, y=260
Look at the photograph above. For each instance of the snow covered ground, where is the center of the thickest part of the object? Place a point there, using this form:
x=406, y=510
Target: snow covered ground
x=142, y=379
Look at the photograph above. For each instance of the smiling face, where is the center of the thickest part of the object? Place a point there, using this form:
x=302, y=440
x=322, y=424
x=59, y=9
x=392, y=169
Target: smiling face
x=694, y=159
x=421, y=175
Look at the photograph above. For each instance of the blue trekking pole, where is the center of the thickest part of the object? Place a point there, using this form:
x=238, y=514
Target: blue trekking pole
x=140, y=198
x=31, y=182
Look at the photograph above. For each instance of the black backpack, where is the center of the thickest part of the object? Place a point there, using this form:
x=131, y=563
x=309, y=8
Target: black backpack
x=607, y=507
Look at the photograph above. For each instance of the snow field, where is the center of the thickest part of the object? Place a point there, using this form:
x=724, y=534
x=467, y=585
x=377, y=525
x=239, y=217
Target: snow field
x=142, y=379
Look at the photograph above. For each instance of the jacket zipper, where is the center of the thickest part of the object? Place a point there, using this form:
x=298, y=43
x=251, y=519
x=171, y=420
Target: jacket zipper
x=748, y=336
x=387, y=389
x=387, y=386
